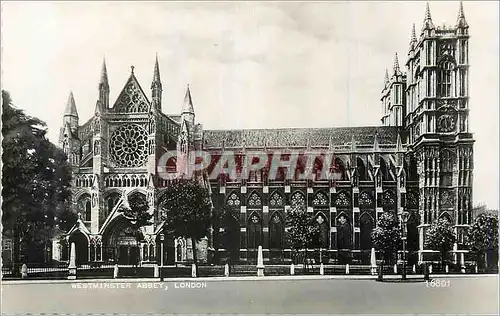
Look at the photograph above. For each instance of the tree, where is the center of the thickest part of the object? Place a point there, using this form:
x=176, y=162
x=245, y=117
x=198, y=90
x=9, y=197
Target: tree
x=482, y=237
x=386, y=236
x=301, y=230
x=441, y=237
x=226, y=224
x=135, y=209
x=36, y=183
x=187, y=211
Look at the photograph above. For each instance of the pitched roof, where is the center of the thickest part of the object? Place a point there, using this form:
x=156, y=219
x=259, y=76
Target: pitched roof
x=132, y=98
x=71, y=106
x=299, y=137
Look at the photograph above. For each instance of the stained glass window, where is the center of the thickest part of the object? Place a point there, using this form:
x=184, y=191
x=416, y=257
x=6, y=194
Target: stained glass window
x=389, y=198
x=128, y=146
x=276, y=200
x=254, y=200
x=298, y=200
x=233, y=200
x=320, y=199
x=365, y=199
x=342, y=199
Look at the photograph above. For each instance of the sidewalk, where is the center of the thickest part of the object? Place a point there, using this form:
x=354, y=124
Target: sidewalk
x=249, y=278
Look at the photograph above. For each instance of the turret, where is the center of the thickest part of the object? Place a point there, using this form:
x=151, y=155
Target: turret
x=428, y=26
x=156, y=87
x=462, y=26
x=187, y=113
x=70, y=113
x=413, y=39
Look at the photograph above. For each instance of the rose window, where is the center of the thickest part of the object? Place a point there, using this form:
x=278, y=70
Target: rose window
x=129, y=146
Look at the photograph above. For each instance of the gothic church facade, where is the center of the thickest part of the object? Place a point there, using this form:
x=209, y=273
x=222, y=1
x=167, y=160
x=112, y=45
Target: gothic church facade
x=419, y=160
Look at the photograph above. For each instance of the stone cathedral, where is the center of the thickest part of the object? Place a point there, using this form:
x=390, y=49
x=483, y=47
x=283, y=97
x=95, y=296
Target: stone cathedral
x=419, y=160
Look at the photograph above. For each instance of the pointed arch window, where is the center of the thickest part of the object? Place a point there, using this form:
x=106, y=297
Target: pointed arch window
x=254, y=200
x=446, y=166
x=339, y=170
x=445, y=78
x=298, y=200
x=276, y=232
x=363, y=176
x=366, y=224
x=343, y=199
x=111, y=201
x=320, y=199
x=87, y=216
x=276, y=200
x=344, y=234
x=365, y=199
x=233, y=200
x=389, y=198
x=254, y=231
x=323, y=240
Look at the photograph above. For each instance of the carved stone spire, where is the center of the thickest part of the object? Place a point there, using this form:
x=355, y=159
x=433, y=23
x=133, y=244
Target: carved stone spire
x=187, y=107
x=396, y=69
x=104, y=86
x=428, y=25
x=413, y=38
x=71, y=106
x=156, y=87
x=461, y=22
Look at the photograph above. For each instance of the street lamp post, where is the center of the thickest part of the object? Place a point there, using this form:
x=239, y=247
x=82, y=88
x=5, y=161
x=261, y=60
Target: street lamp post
x=404, y=220
x=162, y=241
x=162, y=238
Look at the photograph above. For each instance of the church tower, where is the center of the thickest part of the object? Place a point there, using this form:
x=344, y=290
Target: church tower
x=68, y=137
x=393, y=96
x=437, y=122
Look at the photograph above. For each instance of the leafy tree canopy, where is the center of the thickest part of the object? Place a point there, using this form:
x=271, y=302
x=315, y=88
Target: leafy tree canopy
x=301, y=229
x=187, y=209
x=440, y=236
x=386, y=236
x=482, y=235
x=36, y=179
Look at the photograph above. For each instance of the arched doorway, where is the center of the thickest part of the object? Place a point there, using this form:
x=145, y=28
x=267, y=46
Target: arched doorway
x=81, y=247
x=121, y=242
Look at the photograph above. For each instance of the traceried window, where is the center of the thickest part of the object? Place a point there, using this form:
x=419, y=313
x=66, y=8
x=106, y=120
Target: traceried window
x=445, y=78
x=342, y=199
x=131, y=100
x=233, y=200
x=366, y=226
x=365, y=199
x=254, y=200
x=254, y=231
x=389, y=198
x=276, y=232
x=320, y=199
x=87, y=216
x=276, y=200
x=323, y=240
x=446, y=167
x=128, y=146
x=298, y=200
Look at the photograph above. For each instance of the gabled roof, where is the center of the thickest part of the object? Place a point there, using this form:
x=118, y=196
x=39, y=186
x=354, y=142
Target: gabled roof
x=299, y=137
x=132, y=98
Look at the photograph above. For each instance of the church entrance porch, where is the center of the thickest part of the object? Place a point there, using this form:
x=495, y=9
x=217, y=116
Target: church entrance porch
x=123, y=243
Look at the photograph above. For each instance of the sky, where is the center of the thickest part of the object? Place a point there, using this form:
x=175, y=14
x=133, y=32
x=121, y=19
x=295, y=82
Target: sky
x=248, y=64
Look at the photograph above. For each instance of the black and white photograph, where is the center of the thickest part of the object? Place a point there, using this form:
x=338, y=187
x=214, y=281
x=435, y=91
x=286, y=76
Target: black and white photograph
x=249, y=157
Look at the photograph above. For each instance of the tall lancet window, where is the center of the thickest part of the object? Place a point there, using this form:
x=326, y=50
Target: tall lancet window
x=445, y=78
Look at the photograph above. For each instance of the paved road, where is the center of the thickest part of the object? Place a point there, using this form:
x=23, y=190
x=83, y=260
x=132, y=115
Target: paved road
x=458, y=296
